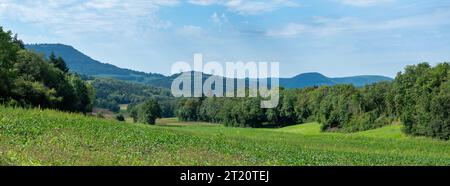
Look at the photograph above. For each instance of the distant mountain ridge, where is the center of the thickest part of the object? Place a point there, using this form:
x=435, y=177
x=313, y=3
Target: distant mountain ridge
x=317, y=79
x=83, y=64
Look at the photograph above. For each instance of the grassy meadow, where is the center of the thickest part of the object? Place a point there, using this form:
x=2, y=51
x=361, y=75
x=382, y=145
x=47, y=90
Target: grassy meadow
x=36, y=137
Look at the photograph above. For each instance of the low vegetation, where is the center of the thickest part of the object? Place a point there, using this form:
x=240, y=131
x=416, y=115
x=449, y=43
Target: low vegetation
x=45, y=137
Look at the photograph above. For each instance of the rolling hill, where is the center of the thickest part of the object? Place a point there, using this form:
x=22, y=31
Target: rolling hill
x=83, y=64
x=317, y=79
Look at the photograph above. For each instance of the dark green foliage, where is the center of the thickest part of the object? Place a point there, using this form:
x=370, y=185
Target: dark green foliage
x=84, y=94
x=29, y=80
x=238, y=112
x=210, y=110
x=338, y=108
x=168, y=106
x=248, y=113
x=9, y=47
x=422, y=99
x=378, y=98
x=111, y=105
x=188, y=109
x=146, y=112
x=284, y=113
x=440, y=110
x=304, y=105
x=120, y=117
x=366, y=121
x=133, y=111
x=58, y=63
x=110, y=93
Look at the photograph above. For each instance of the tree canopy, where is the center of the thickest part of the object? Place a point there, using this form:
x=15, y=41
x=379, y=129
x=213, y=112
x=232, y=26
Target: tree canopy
x=146, y=112
x=30, y=80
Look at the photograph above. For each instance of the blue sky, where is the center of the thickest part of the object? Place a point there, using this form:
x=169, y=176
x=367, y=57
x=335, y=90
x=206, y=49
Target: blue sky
x=334, y=37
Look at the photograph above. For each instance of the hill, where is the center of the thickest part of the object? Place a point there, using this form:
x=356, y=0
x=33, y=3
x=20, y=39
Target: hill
x=306, y=80
x=83, y=64
x=317, y=79
x=45, y=137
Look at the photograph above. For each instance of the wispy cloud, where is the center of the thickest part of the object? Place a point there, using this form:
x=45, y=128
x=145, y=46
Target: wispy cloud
x=365, y=3
x=291, y=29
x=203, y=2
x=192, y=30
x=347, y=25
x=80, y=16
x=248, y=7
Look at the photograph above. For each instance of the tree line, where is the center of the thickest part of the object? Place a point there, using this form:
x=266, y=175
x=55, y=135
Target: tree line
x=419, y=98
x=109, y=93
x=28, y=79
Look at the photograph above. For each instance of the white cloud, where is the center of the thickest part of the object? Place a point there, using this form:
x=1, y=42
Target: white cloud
x=203, y=2
x=81, y=16
x=291, y=29
x=192, y=30
x=365, y=3
x=347, y=25
x=248, y=7
x=258, y=7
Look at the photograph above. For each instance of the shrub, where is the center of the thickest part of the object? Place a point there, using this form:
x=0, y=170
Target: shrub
x=120, y=117
x=148, y=112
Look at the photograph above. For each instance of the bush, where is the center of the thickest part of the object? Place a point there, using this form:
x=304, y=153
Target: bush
x=146, y=112
x=120, y=117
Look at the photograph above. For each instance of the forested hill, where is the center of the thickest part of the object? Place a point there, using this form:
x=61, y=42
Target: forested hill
x=83, y=64
x=317, y=79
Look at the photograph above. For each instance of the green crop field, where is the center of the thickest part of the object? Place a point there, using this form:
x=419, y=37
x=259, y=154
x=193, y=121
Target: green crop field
x=35, y=137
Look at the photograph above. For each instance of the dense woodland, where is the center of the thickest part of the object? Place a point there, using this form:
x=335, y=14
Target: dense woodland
x=28, y=79
x=419, y=98
x=109, y=93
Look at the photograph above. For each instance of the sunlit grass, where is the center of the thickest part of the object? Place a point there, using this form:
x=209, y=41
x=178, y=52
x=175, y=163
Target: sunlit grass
x=35, y=137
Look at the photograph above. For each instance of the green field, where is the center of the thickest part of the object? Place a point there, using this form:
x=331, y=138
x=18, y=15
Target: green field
x=35, y=137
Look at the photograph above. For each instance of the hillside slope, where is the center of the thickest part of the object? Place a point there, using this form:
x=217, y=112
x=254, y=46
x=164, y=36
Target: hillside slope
x=36, y=137
x=83, y=64
x=317, y=79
